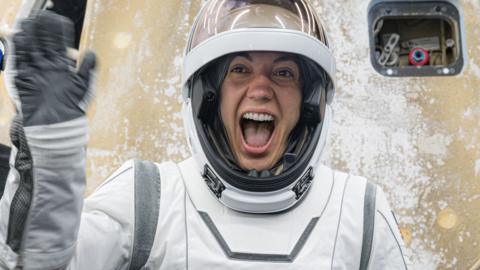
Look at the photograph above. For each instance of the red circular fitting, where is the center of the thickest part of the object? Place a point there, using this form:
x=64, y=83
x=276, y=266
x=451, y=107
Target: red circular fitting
x=418, y=57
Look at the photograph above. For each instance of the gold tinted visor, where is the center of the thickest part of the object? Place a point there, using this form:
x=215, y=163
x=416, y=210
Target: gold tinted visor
x=219, y=16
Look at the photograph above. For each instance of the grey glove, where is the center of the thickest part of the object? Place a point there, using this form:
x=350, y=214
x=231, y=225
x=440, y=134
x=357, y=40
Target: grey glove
x=49, y=89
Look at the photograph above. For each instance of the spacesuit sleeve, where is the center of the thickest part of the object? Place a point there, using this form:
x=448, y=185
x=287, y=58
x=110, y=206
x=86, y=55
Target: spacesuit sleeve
x=388, y=247
x=41, y=210
x=8, y=257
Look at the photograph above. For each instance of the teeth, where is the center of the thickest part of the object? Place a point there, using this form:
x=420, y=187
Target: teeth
x=263, y=117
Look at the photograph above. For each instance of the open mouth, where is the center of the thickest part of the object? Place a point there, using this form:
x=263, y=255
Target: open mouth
x=257, y=131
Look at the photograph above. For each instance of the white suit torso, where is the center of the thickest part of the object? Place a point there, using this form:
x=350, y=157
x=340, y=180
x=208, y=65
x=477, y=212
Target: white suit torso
x=196, y=231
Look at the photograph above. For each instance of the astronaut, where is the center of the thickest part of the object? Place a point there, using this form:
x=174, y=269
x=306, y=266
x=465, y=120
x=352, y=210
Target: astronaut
x=258, y=84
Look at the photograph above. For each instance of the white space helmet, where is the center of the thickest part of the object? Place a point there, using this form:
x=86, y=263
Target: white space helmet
x=222, y=29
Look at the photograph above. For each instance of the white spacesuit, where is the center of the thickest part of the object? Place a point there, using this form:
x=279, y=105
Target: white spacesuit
x=210, y=211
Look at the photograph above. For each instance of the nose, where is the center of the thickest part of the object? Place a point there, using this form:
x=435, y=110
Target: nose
x=260, y=88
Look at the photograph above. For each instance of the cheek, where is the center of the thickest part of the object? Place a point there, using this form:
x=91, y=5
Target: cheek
x=227, y=106
x=223, y=110
x=291, y=103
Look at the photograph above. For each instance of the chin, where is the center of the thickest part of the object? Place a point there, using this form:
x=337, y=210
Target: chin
x=256, y=165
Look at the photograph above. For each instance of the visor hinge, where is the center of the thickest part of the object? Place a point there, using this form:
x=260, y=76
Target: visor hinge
x=303, y=184
x=212, y=181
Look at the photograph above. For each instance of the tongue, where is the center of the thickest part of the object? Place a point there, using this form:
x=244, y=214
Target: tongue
x=256, y=134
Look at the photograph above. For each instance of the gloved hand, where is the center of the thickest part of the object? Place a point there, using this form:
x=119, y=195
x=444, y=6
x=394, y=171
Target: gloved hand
x=46, y=88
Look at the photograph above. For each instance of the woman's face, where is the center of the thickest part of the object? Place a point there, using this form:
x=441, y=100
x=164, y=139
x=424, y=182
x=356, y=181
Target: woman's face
x=260, y=103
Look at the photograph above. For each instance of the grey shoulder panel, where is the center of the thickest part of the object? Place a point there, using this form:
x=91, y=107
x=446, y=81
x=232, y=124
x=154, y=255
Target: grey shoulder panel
x=368, y=223
x=147, y=206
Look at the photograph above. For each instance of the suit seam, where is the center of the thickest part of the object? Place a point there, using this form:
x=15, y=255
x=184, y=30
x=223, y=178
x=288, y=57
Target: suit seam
x=394, y=237
x=110, y=179
x=185, y=224
x=339, y=221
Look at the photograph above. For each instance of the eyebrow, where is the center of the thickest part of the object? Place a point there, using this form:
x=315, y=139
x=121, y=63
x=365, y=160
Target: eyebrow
x=282, y=58
x=244, y=55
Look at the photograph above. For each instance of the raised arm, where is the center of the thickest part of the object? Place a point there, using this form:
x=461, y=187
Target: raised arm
x=40, y=211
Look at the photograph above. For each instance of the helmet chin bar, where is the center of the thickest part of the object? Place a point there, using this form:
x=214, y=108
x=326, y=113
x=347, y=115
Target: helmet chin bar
x=274, y=201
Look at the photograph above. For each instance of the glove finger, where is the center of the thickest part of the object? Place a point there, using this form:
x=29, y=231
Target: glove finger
x=20, y=63
x=86, y=79
x=88, y=64
x=54, y=31
x=24, y=46
x=82, y=77
x=53, y=34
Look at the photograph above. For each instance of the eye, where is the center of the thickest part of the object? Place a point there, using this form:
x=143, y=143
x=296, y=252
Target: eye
x=284, y=74
x=238, y=69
